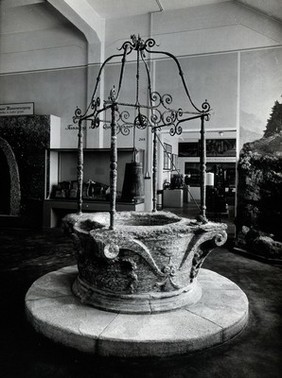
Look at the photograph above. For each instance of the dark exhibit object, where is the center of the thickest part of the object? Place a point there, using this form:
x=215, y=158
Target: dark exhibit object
x=4, y=185
x=176, y=182
x=24, y=141
x=133, y=188
x=259, y=210
x=216, y=202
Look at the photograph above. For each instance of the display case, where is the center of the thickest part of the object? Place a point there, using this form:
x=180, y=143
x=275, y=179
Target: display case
x=61, y=182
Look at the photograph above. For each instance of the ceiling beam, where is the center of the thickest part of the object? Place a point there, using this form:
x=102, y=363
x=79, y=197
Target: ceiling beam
x=18, y=3
x=83, y=16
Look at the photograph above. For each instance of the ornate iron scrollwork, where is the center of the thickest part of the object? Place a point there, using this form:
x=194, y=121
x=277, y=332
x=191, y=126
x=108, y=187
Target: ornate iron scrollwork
x=161, y=112
x=158, y=113
x=137, y=43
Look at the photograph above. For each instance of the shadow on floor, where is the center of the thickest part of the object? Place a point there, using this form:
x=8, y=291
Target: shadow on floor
x=26, y=255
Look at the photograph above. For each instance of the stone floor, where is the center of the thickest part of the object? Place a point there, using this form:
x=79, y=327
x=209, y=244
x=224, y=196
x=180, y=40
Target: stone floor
x=26, y=255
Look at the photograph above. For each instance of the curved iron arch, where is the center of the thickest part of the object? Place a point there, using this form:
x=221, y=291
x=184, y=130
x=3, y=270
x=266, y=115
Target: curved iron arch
x=156, y=114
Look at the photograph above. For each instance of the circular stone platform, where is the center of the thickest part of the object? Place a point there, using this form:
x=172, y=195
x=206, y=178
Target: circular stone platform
x=54, y=311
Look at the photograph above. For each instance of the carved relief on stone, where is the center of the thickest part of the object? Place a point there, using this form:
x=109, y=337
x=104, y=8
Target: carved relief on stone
x=204, y=245
x=164, y=261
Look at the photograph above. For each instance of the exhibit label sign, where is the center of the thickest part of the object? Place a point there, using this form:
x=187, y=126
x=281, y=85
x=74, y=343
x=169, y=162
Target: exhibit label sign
x=24, y=108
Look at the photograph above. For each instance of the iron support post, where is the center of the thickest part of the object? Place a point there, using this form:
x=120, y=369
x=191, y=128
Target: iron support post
x=80, y=168
x=155, y=170
x=113, y=167
x=203, y=168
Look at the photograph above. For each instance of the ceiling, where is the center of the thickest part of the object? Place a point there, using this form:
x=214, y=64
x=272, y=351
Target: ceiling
x=272, y=8
x=107, y=9
x=126, y=8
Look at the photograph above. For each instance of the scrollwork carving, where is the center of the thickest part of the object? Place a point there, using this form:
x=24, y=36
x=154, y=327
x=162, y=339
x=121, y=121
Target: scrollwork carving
x=122, y=124
x=77, y=115
x=206, y=106
x=111, y=251
x=166, y=99
x=95, y=122
x=110, y=244
x=137, y=43
x=176, y=129
x=156, y=117
x=204, y=245
x=150, y=42
x=205, y=109
x=169, y=272
x=141, y=121
x=116, y=258
x=155, y=98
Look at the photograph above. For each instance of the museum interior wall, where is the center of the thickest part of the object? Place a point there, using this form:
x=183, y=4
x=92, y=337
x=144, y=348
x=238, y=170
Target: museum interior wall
x=230, y=55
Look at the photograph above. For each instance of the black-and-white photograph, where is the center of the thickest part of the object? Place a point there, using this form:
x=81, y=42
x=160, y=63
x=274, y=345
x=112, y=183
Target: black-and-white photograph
x=141, y=188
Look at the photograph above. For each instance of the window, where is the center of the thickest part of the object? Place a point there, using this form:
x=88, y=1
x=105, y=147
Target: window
x=167, y=157
x=221, y=147
x=174, y=162
x=215, y=147
x=189, y=149
x=224, y=174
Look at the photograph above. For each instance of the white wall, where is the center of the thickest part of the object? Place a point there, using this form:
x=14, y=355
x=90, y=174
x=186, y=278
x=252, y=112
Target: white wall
x=260, y=86
x=43, y=60
x=230, y=55
x=37, y=37
x=226, y=26
x=55, y=92
x=212, y=77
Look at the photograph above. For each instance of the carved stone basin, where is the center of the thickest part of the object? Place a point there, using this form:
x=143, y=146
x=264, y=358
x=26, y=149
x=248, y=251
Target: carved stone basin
x=148, y=263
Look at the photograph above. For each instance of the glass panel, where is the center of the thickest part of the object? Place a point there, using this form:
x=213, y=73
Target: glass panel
x=167, y=156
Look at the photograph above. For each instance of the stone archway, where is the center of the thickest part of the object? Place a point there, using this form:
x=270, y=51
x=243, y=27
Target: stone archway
x=14, y=191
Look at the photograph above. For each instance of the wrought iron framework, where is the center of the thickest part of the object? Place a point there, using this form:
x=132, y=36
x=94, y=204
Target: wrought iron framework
x=158, y=113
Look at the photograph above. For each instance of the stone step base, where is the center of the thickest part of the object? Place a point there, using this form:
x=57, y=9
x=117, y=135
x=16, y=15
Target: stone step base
x=54, y=311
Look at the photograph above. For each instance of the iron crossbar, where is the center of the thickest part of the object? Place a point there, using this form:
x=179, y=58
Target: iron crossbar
x=158, y=115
